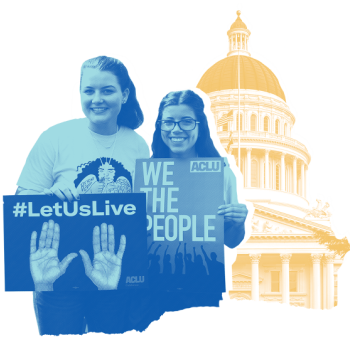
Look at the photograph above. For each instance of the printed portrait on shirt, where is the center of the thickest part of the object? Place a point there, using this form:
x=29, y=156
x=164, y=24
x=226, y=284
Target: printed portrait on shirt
x=103, y=175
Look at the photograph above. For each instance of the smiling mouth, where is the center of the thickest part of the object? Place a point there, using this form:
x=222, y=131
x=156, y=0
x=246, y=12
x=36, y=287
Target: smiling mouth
x=177, y=139
x=98, y=110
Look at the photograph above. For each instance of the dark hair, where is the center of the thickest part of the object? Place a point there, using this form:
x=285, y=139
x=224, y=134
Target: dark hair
x=92, y=168
x=204, y=145
x=131, y=114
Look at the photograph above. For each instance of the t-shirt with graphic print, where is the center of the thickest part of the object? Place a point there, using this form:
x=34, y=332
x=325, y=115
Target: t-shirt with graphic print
x=71, y=153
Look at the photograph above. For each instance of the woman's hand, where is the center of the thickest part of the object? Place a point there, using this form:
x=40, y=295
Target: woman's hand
x=63, y=192
x=106, y=269
x=235, y=216
x=234, y=213
x=44, y=264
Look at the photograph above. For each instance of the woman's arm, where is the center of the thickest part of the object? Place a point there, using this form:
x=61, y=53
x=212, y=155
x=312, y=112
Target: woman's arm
x=233, y=234
x=234, y=213
x=23, y=191
x=59, y=189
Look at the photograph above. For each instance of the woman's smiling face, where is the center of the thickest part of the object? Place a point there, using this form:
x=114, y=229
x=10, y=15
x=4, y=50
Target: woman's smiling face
x=181, y=143
x=101, y=99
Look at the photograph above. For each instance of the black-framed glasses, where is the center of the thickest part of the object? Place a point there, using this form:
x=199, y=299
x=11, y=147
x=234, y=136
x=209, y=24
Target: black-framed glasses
x=185, y=124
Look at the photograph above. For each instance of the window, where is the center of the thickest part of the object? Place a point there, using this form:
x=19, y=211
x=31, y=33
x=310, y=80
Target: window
x=277, y=126
x=293, y=285
x=275, y=281
x=254, y=173
x=285, y=129
x=288, y=179
x=253, y=123
x=225, y=127
x=277, y=177
x=266, y=124
x=241, y=122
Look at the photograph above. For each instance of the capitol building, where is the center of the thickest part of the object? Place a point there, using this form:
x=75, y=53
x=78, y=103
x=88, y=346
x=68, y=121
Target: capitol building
x=282, y=261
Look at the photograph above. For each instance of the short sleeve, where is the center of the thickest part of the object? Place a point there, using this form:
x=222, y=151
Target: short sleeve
x=143, y=149
x=37, y=173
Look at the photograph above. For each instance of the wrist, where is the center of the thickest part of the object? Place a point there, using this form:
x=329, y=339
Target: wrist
x=44, y=287
x=29, y=192
x=106, y=288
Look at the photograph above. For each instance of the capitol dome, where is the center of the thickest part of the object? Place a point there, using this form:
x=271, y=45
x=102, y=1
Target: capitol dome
x=253, y=75
x=283, y=260
x=249, y=105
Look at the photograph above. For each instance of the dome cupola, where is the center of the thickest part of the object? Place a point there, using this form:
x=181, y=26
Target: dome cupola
x=238, y=37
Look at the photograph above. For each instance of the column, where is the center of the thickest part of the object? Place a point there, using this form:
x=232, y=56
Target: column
x=255, y=275
x=267, y=178
x=295, y=175
x=261, y=167
x=307, y=187
x=324, y=285
x=241, y=41
x=302, y=179
x=283, y=173
x=285, y=277
x=249, y=168
x=316, y=297
x=330, y=280
x=305, y=182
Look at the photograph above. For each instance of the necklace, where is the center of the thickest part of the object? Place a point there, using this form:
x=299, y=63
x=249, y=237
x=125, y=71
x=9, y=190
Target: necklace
x=112, y=146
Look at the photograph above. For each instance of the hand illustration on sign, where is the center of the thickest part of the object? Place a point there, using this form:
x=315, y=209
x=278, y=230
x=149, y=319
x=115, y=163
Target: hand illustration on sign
x=44, y=264
x=46, y=268
x=106, y=267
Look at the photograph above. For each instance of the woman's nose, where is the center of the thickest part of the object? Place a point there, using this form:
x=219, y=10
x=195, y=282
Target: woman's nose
x=96, y=99
x=177, y=128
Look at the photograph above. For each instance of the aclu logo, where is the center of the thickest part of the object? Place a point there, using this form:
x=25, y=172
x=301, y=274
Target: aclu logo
x=198, y=166
x=135, y=279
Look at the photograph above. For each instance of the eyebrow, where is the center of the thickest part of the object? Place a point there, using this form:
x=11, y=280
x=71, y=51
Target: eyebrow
x=185, y=117
x=104, y=87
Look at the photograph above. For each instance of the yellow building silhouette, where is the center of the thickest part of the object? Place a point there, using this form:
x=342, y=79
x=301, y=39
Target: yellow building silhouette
x=282, y=260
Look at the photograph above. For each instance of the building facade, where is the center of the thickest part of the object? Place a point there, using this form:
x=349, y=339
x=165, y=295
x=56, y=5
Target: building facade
x=282, y=260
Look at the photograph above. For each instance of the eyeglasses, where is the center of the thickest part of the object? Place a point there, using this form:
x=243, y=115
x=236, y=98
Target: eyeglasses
x=185, y=124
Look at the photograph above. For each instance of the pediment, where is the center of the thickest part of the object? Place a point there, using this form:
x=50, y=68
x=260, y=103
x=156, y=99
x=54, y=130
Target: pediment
x=279, y=221
x=270, y=226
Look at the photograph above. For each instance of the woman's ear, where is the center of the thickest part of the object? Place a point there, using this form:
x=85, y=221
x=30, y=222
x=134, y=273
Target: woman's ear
x=126, y=93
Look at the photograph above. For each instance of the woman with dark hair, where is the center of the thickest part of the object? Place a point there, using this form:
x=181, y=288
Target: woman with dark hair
x=96, y=154
x=204, y=146
x=182, y=132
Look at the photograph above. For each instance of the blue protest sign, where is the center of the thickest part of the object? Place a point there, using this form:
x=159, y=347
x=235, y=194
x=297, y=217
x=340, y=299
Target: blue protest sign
x=98, y=242
x=185, y=236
